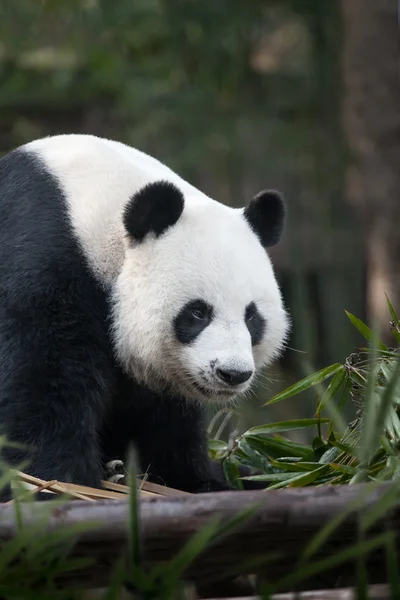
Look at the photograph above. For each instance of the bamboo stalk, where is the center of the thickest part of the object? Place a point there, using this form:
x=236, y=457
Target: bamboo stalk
x=110, y=491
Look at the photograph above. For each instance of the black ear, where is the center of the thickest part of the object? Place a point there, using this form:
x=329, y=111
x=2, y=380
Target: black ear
x=266, y=216
x=153, y=209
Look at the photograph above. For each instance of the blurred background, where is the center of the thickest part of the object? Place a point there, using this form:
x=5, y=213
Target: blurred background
x=237, y=96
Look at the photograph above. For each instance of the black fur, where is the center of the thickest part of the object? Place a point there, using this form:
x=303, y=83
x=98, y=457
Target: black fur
x=61, y=392
x=255, y=323
x=266, y=216
x=155, y=208
x=192, y=319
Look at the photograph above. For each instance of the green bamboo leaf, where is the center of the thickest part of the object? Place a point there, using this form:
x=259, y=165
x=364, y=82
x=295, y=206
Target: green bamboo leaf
x=276, y=447
x=330, y=455
x=396, y=322
x=365, y=331
x=307, y=478
x=298, y=466
x=274, y=476
x=345, y=469
x=217, y=445
x=377, y=410
x=395, y=318
x=306, y=383
x=352, y=450
x=388, y=370
x=232, y=472
x=386, y=353
x=333, y=388
x=252, y=457
x=300, y=479
x=285, y=426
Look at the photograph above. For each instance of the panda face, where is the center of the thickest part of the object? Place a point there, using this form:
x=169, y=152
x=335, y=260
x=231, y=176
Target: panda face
x=197, y=309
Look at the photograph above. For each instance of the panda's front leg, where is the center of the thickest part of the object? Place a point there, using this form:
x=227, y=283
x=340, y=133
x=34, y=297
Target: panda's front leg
x=173, y=448
x=53, y=390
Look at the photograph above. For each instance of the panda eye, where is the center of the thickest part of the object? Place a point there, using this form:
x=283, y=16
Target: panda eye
x=199, y=314
x=250, y=311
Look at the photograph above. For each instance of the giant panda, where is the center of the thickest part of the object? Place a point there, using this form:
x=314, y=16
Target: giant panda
x=129, y=302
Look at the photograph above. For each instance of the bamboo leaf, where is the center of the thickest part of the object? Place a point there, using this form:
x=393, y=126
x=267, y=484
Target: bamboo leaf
x=333, y=388
x=307, y=478
x=232, y=472
x=278, y=448
x=306, y=383
x=284, y=426
x=377, y=410
x=275, y=476
x=365, y=331
x=392, y=311
x=299, y=466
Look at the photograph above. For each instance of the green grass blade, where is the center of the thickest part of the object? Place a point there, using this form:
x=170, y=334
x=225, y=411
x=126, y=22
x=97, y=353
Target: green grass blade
x=176, y=567
x=235, y=522
x=323, y=534
x=306, y=383
x=137, y=573
x=305, y=571
x=116, y=582
x=392, y=567
x=381, y=507
x=361, y=570
x=134, y=520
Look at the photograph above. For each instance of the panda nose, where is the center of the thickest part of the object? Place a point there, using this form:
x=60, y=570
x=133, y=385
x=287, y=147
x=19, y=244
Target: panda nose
x=233, y=377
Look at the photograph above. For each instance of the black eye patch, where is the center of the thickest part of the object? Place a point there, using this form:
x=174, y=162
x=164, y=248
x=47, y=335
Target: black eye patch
x=191, y=320
x=255, y=323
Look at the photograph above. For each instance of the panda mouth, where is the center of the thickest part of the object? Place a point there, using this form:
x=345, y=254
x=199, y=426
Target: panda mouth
x=208, y=392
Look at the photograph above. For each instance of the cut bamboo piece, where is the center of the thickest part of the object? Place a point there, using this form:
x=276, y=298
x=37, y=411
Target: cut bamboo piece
x=109, y=491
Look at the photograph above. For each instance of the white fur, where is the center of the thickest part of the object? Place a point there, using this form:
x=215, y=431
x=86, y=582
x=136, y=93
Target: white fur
x=211, y=253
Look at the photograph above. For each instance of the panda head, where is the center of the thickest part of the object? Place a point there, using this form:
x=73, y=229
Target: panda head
x=197, y=308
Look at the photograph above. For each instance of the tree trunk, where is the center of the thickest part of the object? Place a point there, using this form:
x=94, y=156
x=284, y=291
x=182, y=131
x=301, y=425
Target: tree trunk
x=372, y=122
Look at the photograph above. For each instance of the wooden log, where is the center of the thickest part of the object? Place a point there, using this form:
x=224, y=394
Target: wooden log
x=284, y=522
x=375, y=592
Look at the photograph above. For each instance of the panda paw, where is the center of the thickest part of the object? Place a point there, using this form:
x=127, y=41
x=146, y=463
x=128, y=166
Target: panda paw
x=115, y=472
